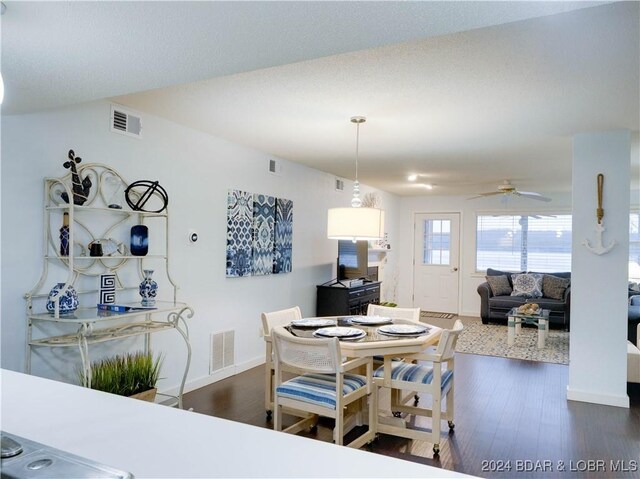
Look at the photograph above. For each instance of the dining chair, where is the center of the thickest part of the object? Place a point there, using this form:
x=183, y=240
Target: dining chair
x=269, y=321
x=412, y=314
x=434, y=377
x=322, y=385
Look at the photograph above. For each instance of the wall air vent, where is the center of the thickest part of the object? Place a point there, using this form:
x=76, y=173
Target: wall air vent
x=222, y=351
x=339, y=184
x=275, y=168
x=125, y=122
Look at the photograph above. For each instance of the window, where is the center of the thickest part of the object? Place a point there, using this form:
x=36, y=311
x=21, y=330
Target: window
x=523, y=242
x=437, y=242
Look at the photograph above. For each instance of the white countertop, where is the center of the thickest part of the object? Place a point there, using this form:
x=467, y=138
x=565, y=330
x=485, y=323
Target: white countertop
x=154, y=441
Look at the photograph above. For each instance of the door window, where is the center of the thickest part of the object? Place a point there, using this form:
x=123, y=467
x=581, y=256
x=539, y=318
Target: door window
x=437, y=242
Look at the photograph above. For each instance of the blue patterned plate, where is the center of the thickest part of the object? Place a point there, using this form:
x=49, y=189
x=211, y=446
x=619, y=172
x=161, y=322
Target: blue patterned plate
x=370, y=320
x=313, y=322
x=403, y=329
x=339, y=332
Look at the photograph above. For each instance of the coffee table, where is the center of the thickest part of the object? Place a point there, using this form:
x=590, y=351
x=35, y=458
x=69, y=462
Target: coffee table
x=515, y=320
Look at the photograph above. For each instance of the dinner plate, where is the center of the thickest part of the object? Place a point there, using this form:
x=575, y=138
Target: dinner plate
x=339, y=332
x=313, y=322
x=403, y=329
x=370, y=320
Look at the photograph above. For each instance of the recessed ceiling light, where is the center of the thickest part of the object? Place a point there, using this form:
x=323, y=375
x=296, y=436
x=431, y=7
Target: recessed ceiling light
x=412, y=177
x=428, y=186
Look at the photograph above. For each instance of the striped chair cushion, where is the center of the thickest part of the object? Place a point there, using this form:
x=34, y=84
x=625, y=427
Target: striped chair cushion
x=414, y=373
x=319, y=389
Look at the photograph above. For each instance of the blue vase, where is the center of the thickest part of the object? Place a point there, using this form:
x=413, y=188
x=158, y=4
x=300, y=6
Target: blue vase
x=148, y=289
x=68, y=302
x=139, y=240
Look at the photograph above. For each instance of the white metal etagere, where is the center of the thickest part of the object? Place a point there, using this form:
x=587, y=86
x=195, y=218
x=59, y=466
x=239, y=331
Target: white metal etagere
x=87, y=325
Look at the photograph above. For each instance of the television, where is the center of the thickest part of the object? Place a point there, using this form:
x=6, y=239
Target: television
x=353, y=259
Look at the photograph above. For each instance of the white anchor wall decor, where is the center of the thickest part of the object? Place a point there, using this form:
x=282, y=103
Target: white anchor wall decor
x=599, y=248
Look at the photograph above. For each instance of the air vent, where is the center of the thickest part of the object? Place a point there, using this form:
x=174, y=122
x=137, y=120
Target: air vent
x=339, y=184
x=275, y=167
x=125, y=122
x=222, y=351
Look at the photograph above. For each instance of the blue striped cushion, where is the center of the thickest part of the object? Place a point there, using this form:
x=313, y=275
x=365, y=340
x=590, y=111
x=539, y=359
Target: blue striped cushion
x=319, y=389
x=415, y=373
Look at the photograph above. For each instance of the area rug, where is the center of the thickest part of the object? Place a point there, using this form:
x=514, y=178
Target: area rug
x=433, y=314
x=491, y=340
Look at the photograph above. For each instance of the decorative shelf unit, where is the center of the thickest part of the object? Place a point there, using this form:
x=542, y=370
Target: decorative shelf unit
x=88, y=325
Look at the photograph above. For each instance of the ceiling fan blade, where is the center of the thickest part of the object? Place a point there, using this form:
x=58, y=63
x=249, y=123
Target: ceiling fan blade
x=482, y=195
x=532, y=195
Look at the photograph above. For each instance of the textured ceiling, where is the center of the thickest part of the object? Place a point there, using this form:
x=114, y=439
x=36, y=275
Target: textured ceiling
x=454, y=91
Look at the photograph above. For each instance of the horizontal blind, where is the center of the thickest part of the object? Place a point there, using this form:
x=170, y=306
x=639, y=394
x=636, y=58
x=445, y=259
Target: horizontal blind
x=523, y=242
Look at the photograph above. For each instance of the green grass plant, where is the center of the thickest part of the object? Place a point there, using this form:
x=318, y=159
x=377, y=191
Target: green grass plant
x=124, y=375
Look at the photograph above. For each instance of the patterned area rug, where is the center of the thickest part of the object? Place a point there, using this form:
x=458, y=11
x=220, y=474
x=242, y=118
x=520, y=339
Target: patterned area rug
x=491, y=340
x=433, y=314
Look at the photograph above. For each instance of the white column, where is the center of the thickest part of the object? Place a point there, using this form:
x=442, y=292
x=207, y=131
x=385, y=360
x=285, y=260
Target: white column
x=597, y=369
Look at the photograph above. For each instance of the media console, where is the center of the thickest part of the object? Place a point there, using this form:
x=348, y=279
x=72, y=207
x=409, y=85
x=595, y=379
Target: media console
x=339, y=300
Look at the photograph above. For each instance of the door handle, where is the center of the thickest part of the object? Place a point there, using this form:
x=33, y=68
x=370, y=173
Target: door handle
x=454, y=269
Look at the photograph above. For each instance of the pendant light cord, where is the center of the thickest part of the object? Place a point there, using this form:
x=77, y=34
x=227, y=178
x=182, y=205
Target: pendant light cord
x=357, y=147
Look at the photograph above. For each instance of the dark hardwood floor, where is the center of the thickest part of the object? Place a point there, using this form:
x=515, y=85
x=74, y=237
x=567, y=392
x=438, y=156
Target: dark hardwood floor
x=512, y=420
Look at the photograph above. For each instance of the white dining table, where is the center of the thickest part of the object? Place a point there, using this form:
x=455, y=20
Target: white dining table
x=374, y=345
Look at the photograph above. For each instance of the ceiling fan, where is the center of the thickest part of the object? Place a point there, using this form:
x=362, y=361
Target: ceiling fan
x=506, y=189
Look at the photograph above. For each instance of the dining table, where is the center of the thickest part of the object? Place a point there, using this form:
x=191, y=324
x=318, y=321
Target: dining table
x=374, y=343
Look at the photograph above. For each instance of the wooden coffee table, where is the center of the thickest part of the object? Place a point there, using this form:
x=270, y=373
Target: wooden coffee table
x=515, y=320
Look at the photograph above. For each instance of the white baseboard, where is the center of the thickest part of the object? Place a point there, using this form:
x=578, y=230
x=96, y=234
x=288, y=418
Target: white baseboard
x=597, y=398
x=197, y=383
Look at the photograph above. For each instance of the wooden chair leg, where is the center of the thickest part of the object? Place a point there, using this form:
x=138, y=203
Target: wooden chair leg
x=277, y=415
x=338, y=431
x=436, y=413
x=450, y=410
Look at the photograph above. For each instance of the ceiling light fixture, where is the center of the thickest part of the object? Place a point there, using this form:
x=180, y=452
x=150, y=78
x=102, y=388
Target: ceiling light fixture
x=428, y=186
x=412, y=177
x=357, y=222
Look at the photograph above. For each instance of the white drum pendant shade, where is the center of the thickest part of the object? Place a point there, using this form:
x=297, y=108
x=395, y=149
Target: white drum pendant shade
x=355, y=223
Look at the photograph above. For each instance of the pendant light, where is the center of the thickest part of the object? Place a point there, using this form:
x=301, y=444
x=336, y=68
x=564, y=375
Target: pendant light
x=357, y=222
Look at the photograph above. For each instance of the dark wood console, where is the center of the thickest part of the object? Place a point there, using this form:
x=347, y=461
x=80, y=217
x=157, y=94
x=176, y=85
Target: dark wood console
x=339, y=300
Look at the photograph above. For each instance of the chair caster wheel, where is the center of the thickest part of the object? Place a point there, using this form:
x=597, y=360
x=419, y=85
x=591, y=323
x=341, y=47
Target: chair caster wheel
x=397, y=414
x=269, y=413
x=436, y=450
x=313, y=429
x=416, y=400
x=452, y=426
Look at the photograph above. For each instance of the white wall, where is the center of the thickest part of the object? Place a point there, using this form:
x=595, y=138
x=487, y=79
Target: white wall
x=196, y=169
x=597, y=369
x=469, y=302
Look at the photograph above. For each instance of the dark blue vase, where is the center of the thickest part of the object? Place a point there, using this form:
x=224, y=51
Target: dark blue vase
x=139, y=240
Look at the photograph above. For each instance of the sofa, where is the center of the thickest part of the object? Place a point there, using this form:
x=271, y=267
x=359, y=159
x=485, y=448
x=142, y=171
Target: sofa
x=634, y=317
x=633, y=359
x=556, y=297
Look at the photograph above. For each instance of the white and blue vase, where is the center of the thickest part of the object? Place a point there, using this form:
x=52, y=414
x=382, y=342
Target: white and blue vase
x=148, y=289
x=68, y=301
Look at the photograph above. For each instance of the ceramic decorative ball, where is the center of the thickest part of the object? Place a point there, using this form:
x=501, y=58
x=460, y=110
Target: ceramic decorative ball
x=68, y=302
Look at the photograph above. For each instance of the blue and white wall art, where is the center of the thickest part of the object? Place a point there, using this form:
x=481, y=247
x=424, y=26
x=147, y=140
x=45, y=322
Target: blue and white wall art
x=259, y=234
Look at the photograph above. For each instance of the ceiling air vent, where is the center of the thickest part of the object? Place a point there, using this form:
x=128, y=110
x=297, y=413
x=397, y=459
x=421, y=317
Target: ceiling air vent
x=339, y=184
x=125, y=122
x=275, y=167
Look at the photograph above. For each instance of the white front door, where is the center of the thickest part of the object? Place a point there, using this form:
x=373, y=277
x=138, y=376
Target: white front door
x=435, y=262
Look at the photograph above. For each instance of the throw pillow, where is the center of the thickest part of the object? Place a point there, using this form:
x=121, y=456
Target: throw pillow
x=527, y=285
x=554, y=287
x=499, y=285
